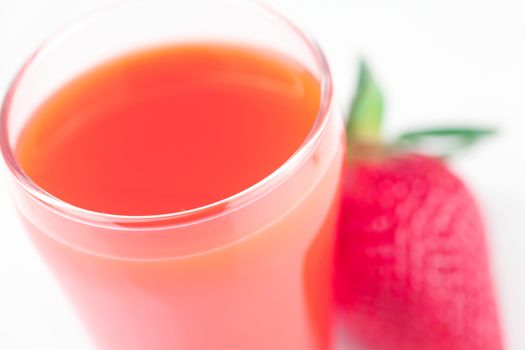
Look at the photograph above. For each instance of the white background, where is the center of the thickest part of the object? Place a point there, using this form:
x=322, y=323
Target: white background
x=444, y=61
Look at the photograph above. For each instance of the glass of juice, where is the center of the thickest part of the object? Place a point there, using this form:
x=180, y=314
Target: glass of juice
x=177, y=165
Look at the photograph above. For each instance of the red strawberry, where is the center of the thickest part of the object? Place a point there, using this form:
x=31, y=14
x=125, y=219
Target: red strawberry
x=412, y=267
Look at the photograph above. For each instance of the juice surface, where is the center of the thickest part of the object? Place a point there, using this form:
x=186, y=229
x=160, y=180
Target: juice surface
x=170, y=128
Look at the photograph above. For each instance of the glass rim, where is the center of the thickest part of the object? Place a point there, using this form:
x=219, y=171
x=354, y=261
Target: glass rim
x=231, y=202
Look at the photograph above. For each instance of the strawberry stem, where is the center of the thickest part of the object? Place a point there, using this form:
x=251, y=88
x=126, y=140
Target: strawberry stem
x=366, y=112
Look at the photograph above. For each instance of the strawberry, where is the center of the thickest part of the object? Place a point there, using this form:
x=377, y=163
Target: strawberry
x=412, y=269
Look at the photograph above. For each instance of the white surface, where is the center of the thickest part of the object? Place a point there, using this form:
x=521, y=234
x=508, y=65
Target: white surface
x=439, y=61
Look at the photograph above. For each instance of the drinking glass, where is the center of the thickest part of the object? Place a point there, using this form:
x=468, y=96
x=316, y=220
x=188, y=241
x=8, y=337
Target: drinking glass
x=251, y=271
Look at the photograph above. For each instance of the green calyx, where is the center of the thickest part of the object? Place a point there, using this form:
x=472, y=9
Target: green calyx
x=366, y=111
x=366, y=116
x=441, y=142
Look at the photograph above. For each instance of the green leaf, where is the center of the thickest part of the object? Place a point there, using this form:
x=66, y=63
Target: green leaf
x=441, y=142
x=366, y=112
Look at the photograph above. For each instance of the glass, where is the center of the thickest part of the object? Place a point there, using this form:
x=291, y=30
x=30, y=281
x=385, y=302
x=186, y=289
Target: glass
x=252, y=271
